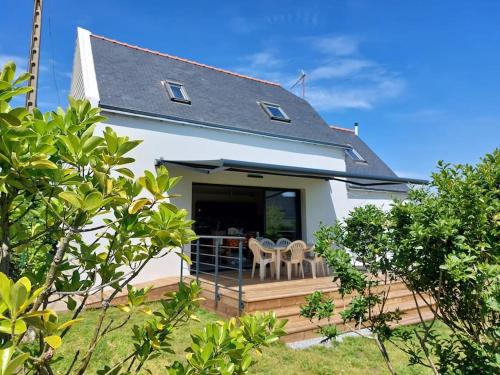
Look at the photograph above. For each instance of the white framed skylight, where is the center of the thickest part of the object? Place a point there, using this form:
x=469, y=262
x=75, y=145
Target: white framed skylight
x=177, y=92
x=275, y=112
x=354, y=155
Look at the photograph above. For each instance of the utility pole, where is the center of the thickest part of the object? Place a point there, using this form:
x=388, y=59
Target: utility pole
x=33, y=65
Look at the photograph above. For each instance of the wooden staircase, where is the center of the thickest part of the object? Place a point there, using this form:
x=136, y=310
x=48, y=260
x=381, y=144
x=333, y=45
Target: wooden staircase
x=286, y=297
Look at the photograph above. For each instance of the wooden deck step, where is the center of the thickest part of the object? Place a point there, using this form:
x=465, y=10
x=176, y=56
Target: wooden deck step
x=285, y=298
x=398, y=296
x=303, y=330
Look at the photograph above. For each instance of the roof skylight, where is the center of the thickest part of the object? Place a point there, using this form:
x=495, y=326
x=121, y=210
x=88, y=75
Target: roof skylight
x=275, y=112
x=354, y=155
x=177, y=92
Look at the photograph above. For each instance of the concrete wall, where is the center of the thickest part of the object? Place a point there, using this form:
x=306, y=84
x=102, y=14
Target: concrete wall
x=322, y=201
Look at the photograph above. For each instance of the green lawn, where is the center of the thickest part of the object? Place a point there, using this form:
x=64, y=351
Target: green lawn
x=354, y=355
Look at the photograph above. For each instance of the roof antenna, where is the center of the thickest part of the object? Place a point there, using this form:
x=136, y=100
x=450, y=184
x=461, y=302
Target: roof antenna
x=302, y=81
x=356, y=128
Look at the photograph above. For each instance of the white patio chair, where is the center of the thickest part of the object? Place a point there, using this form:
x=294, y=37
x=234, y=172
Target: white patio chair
x=262, y=258
x=314, y=261
x=266, y=242
x=283, y=242
x=296, y=257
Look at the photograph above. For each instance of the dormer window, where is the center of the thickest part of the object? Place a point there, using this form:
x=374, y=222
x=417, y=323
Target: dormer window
x=354, y=155
x=177, y=92
x=275, y=112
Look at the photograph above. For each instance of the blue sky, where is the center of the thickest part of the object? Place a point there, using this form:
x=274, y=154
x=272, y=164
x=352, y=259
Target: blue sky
x=421, y=77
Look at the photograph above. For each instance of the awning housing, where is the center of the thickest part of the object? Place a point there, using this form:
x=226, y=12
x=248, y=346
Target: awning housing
x=220, y=165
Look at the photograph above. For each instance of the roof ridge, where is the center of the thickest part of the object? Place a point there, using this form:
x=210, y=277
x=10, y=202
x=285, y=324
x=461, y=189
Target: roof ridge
x=173, y=57
x=339, y=128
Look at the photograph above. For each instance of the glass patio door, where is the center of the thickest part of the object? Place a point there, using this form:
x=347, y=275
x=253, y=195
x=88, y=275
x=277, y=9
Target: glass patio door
x=282, y=216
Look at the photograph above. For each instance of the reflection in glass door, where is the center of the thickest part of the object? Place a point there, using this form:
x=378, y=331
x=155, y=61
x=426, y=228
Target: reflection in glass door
x=282, y=214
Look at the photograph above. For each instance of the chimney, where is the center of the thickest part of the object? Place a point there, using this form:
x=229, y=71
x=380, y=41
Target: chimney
x=356, y=128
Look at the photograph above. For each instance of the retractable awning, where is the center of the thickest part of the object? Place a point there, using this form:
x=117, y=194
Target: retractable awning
x=220, y=165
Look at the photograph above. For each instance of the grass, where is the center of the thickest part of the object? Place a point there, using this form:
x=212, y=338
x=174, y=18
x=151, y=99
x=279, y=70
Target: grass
x=355, y=355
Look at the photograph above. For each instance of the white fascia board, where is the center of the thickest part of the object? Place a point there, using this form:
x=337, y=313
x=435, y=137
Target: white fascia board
x=88, y=70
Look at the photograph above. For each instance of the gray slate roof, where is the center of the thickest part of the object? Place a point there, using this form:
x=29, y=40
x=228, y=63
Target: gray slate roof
x=130, y=79
x=374, y=166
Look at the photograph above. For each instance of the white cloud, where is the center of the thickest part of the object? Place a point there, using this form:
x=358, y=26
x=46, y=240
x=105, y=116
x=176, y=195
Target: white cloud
x=331, y=97
x=340, y=45
x=262, y=60
x=265, y=65
x=339, y=69
x=305, y=17
x=18, y=60
x=338, y=76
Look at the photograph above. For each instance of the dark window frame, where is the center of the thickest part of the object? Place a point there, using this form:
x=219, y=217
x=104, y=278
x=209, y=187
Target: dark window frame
x=263, y=189
x=185, y=99
x=265, y=106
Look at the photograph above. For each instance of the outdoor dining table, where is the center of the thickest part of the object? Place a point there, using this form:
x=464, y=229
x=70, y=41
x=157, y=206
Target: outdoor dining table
x=281, y=249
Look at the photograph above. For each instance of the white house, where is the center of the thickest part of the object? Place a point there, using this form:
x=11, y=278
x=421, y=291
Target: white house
x=251, y=153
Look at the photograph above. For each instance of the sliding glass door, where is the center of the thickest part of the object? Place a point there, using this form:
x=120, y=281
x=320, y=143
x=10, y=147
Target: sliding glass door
x=247, y=211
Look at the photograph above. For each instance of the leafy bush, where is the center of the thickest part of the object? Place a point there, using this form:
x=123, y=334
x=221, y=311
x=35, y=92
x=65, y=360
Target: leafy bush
x=77, y=223
x=442, y=242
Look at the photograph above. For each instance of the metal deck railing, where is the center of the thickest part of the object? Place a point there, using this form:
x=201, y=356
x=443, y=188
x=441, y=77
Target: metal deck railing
x=212, y=256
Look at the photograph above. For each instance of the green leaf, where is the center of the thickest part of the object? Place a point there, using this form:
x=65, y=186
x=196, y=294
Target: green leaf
x=42, y=164
x=10, y=94
x=247, y=361
x=92, y=201
x=91, y=143
x=71, y=304
x=5, y=285
x=126, y=172
x=19, y=326
x=5, y=85
x=53, y=341
x=126, y=147
x=184, y=256
x=124, y=308
x=111, y=140
x=9, y=120
x=8, y=72
x=12, y=366
x=138, y=205
x=102, y=256
x=22, y=77
x=71, y=198
x=69, y=323
x=19, y=294
x=19, y=112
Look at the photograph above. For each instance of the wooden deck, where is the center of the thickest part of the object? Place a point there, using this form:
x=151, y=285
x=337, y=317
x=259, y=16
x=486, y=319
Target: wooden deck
x=285, y=297
x=255, y=290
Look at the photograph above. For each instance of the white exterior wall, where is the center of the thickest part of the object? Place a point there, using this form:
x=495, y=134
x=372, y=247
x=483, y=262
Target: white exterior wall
x=322, y=201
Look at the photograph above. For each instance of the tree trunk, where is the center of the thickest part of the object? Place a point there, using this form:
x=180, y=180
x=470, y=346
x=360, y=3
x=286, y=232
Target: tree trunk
x=5, y=247
x=383, y=350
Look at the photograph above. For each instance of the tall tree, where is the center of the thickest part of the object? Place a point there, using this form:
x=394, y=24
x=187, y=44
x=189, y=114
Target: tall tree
x=76, y=222
x=442, y=242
